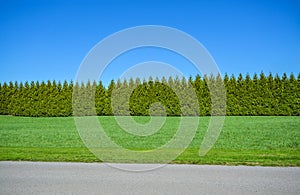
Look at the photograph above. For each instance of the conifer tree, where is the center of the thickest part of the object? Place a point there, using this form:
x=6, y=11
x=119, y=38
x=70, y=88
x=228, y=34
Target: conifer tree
x=100, y=99
x=108, y=95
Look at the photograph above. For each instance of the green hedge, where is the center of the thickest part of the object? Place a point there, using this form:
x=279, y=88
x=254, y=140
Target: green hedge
x=256, y=96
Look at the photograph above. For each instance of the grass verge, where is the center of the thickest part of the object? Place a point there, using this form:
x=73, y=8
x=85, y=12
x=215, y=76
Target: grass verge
x=264, y=141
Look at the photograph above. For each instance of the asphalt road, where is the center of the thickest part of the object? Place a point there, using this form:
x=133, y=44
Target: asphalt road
x=94, y=178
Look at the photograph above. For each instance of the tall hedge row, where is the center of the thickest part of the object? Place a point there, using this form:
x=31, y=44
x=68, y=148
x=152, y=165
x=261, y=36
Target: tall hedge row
x=255, y=96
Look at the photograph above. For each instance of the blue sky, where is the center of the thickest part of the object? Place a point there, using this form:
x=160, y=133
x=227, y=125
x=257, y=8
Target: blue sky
x=46, y=40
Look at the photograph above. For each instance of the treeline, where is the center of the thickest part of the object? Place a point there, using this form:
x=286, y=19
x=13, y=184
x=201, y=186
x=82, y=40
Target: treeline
x=255, y=96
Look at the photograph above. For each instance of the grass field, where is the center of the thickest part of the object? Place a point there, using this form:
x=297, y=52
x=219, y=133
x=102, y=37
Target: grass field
x=266, y=141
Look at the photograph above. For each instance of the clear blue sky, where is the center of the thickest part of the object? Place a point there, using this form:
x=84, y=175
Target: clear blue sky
x=41, y=40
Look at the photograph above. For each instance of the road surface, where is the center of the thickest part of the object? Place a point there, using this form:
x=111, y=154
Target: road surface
x=97, y=178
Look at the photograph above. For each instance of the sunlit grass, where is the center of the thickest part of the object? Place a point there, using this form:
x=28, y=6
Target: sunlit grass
x=243, y=141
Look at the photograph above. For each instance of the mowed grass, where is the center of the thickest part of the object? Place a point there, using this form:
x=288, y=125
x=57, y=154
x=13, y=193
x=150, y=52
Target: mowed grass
x=266, y=141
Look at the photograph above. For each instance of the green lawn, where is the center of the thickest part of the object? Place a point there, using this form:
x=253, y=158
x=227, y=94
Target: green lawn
x=273, y=141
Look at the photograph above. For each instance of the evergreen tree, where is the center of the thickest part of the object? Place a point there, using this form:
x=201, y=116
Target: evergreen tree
x=285, y=107
x=12, y=107
x=292, y=98
x=120, y=98
x=100, y=99
x=76, y=100
x=7, y=92
x=108, y=95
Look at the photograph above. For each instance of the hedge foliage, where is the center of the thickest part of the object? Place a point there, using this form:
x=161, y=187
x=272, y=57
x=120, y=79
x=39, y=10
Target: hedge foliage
x=256, y=96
